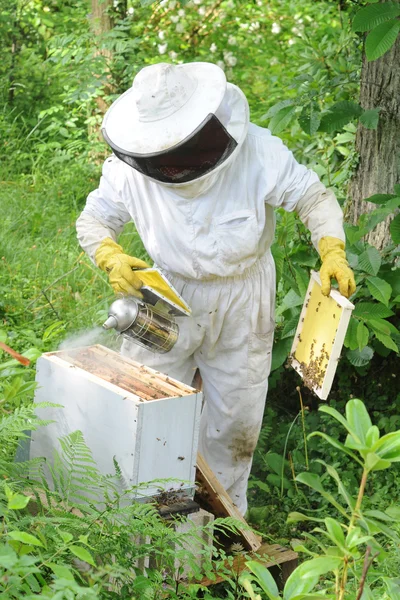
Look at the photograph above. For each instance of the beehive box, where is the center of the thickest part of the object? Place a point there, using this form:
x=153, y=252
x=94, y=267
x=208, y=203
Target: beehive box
x=319, y=336
x=146, y=420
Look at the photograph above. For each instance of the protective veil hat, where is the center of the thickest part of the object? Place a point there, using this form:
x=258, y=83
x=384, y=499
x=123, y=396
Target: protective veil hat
x=164, y=106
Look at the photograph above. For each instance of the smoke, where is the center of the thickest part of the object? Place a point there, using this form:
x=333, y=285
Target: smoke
x=97, y=335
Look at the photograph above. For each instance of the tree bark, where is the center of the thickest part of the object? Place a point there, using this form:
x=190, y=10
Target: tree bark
x=101, y=16
x=379, y=149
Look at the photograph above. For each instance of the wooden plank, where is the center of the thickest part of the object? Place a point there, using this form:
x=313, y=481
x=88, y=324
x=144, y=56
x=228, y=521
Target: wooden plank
x=267, y=555
x=162, y=379
x=219, y=502
x=103, y=371
x=157, y=387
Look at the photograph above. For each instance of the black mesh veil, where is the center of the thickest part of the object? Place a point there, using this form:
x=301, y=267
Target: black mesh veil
x=208, y=146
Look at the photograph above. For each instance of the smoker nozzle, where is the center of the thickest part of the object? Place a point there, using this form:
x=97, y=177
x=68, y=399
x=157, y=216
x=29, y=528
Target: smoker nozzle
x=111, y=323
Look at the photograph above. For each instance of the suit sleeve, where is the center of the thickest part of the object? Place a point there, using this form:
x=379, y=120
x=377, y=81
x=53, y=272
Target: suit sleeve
x=299, y=189
x=105, y=213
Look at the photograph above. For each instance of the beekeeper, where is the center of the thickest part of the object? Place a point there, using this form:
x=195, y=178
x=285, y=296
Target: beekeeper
x=200, y=182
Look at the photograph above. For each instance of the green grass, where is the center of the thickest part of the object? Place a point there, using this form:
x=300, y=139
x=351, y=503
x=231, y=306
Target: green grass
x=45, y=277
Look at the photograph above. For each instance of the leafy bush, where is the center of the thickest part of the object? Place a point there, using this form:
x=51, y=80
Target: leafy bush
x=352, y=549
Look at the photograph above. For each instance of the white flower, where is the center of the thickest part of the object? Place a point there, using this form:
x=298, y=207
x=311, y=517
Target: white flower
x=254, y=26
x=229, y=59
x=163, y=2
x=276, y=28
x=295, y=30
x=232, y=40
x=162, y=48
x=179, y=28
x=299, y=21
x=221, y=64
x=202, y=11
x=291, y=42
x=273, y=61
x=213, y=48
x=174, y=18
x=115, y=3
x=131, y=10
x=173, y=55
x=257, y=39
x=161, y=35
x=181, y=12
x=197, y=1
x=172, y=4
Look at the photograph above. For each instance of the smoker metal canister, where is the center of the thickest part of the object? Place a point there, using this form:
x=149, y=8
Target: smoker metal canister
x=140, y=323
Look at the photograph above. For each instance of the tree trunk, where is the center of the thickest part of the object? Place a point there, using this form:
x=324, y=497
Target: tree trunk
x=379, y=149
x=101, y=16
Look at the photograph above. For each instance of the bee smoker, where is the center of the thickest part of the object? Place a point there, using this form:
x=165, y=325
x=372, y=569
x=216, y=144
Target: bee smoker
x=141, y=323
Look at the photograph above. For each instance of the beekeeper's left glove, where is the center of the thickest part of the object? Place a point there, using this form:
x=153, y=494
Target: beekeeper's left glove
x=335, y=265
x=120, y=268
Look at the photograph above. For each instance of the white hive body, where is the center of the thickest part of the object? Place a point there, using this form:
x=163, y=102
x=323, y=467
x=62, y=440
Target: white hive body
x=148, y=422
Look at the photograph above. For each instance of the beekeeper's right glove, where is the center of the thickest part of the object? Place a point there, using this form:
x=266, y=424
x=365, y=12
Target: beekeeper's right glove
x=119, y=266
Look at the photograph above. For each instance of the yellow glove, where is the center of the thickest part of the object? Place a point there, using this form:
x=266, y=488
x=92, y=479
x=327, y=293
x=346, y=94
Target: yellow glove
x=110, y=258
x=335, y=265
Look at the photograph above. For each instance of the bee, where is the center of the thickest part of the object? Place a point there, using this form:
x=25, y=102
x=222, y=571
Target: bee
x=334, y=316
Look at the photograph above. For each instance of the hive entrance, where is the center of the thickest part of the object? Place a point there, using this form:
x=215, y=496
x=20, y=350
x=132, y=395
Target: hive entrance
x=127, y=374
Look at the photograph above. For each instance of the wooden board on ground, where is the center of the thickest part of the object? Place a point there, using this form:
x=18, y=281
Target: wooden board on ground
x=268, y=555
x=220, y=504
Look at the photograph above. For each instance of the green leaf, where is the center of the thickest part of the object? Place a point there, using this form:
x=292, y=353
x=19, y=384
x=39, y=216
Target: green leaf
x=358, y=418
x=383, y=326
x=387, y=341
x=276, y=108
x=395, y=229
x=370, y=118
x=25, y=538
x=336, y=415
x=60, y=571
x=381, y=39
x=314, y=482
x=297, y=517
x=362, y=336
x=369, y=310
x=65, y=536
x=82, y=554
x=339, y=115
x=336, y=444
x=17, y=501
x=335, y=531
x=306, y=576
x=373, y=462
x=280, y=352
x=370, y=261
x=281, y=119
x=372, y=436
x=379, y=289
x=370, y=16
x=380, y=198
x=388, y=447
x=351, y=339
x=245, y=580
x=264, y=579
x=310, y=119
x=360, y=359
x=291, y=300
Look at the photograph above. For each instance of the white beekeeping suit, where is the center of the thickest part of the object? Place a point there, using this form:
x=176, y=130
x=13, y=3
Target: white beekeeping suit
x=201, y=184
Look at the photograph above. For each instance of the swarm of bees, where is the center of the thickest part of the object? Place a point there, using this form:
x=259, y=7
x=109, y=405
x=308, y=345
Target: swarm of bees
x=313, y=373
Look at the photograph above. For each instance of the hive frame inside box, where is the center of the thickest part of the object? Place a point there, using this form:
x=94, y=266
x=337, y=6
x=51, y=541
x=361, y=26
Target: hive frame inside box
x=304, y=327
x=152, y=439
